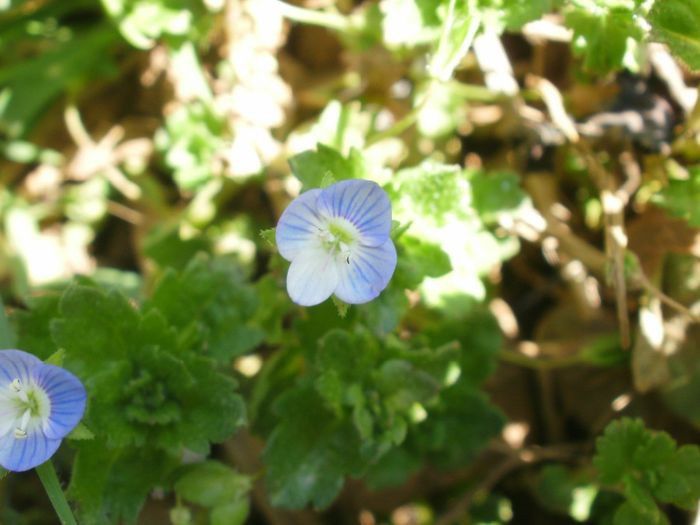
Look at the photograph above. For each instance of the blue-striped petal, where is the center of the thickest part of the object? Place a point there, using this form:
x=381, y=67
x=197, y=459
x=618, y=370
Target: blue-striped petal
x=299, y=225
x=362, y=202
x=18, y=455
x=67, y=395
x=367, y=274
x=15, y=364
x=312, y=277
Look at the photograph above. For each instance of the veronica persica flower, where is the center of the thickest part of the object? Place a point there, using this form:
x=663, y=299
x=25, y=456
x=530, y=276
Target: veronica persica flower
x=337, y=240
x=39, y=405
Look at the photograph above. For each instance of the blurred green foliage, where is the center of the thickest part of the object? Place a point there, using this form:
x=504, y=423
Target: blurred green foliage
x=140, y=243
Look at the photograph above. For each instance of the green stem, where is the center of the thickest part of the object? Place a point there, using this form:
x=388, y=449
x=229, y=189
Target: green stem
x=405, y=122
x=48, y=477
x=309, y=16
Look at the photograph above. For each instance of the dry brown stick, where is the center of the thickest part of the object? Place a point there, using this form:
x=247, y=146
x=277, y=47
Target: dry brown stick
x=615, y=246
x=492, y=478
x=514, y=459
x=668, y=301
x=613, y=204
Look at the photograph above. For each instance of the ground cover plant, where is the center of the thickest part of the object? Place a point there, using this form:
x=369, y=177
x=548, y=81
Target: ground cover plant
x=349, y=262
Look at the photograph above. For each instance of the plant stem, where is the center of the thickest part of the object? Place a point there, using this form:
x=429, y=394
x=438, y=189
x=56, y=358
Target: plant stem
x=48, y=477
x=309, y=16
x=405, y=122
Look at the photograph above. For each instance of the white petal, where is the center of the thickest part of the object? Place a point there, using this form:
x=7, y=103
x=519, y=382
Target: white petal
x=367, y=274
x=299, y=225
x=8, y=415
x=312, y=276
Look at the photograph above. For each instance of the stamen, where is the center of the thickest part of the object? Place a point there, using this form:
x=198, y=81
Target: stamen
x=345, y=251
x=327, y=236
x=20, y=434
x=16, y=385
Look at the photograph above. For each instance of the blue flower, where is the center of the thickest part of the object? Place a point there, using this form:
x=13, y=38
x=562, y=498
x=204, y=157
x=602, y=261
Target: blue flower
x=39, y=405
x=337, y=240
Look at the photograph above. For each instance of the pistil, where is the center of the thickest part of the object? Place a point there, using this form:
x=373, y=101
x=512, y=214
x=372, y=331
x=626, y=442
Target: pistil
x=26, y=405
x=338, y=240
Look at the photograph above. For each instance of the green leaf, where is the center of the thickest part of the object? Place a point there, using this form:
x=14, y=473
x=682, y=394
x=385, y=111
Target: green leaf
x=94, y=325
x=402, y=384
x=111, y=485
x=512, y=14
x=628, y=514
x=32, y=325
x=310, y=452
x=555, y=488
x=568, y=491
x=681, y=197
x=165, y=246
x=438, y=201
x=144, y=388
x=142, y=23
x=193, y=136
x=384, y=314
x=648, y=464
x=341, y=306
x=34, y=82
x=431, y=190
x=56, y=358
x=419, y=259
x=679, y=482
x=232, y=513
x=7, y=334
x=210, y=301
x=480, y=341
x=211, y=484
x=458, y=428
x=604, y=350
x=338, y=352
x=312, y=168
x=268, y=235
x=601, y=31
x=91, y=468
x=617, y=448
x=273, y=306
x=639, y=496
x=497, y=194
x=677, y=23
x=80, y=433
x=392, y=469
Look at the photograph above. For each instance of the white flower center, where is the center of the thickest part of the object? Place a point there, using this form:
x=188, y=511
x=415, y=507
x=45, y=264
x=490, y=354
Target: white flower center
x=23, y=408
x=339, y=236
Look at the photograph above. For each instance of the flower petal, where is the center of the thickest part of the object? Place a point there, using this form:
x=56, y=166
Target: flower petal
x=67, y=395
x=362, y=202
x=298, y=225
x=312, y=276
x=18, y=455
x=8, y=414
x=368, y=273
x=16, y=364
